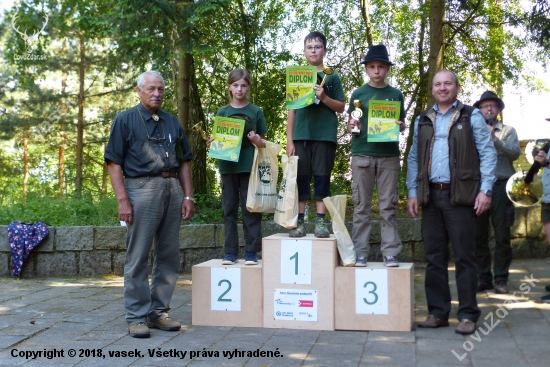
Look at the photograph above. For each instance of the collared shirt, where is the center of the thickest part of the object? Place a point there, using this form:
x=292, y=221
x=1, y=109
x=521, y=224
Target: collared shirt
x=440, y=171
x=142, y=146
x=507, y=146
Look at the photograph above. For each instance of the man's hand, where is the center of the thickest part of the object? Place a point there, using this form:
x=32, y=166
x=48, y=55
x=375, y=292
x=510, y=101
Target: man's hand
x=541, y=157
x=482, y=203
x=353, y=123
x=412, y=206
x=492, y=131
x=125, y=211
x=187, y=209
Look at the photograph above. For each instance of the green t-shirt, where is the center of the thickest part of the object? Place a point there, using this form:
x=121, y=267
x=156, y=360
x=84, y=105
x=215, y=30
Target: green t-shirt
x=359, y=144
x=317, y=121
x=247, y=154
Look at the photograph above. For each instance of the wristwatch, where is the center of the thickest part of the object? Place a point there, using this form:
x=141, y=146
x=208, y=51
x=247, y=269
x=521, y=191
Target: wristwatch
x=189, y=198
x=487, y=192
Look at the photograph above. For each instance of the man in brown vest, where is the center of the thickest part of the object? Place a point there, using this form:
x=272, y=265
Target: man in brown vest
x=451, y=175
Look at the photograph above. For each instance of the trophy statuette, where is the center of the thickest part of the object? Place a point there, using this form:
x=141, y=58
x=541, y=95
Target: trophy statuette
x=328, y=71
x=356, y=114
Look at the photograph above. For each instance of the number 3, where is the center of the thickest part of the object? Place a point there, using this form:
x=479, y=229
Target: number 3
x=372, y=292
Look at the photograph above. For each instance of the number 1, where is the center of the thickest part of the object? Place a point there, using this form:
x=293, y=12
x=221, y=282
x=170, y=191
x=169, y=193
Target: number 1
x=295, y=256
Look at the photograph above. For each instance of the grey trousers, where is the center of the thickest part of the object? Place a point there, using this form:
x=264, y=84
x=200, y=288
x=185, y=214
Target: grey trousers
x=156, y=205
x=501, y=215
x=384, y=171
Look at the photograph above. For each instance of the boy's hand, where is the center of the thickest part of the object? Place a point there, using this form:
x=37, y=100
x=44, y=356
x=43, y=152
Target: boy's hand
x=401, y=125
x=290, y=150
x=319, y=92
x=353, y=123
x=208, y=142
x=256, y=139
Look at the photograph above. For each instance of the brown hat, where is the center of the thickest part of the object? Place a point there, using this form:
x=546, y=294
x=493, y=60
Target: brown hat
x=492, y=96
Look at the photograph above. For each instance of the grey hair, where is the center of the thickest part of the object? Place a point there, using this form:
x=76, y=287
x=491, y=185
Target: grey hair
x=141, y=77
x=447, y=71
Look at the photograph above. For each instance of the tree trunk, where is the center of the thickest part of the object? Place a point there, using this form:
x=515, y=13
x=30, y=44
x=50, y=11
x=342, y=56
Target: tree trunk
x=437, y=43
x=61, y=156
x=198, y=145
x=80, y=122
x=25, y=164
x=495, y=38
x=365, y=14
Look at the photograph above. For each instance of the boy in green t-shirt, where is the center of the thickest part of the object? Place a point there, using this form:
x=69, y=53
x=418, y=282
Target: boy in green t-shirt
x=311, y=135
x=375, y=162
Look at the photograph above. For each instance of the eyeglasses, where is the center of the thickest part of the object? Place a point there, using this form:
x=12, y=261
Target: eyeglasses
x=316, y=48
x=487, y=106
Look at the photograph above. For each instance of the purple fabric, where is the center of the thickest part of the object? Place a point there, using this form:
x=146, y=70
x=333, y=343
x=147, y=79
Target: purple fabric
x=23, y=238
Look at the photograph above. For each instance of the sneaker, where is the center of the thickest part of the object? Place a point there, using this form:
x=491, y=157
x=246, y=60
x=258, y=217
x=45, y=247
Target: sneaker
x=251, y=258
x=139, y=330
x=299, y=231
x=501, y=287
x=321, y=230
x=361, y=261
x=545, y=298
x=229, y=259
x=390, y=261
x=166, y=324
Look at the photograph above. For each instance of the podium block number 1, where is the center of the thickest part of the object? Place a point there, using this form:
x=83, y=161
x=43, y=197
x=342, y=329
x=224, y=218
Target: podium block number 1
x=296, y=261
x=371, y=291
x=225, y=289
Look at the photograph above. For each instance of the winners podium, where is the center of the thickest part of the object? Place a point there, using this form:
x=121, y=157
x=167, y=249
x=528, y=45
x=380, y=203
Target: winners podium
x=299, y=285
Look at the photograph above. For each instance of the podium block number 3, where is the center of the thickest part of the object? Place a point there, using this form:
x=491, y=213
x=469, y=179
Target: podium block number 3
x=296, y=261
x=225, y=289
x=371, y=291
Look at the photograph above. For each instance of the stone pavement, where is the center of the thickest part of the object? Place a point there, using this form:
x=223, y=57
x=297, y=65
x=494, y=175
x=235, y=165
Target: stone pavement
x=57, y=317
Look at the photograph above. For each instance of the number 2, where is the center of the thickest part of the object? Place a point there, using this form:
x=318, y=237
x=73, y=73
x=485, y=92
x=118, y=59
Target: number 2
x=220, y=298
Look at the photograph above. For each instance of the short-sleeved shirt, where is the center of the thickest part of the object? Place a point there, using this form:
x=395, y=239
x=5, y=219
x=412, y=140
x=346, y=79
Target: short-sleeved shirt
x=317, y=121
x=246, y=157
x=142, y=146
x=360, y=144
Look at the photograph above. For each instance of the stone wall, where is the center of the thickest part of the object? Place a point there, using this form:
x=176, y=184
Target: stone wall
x=94, y=251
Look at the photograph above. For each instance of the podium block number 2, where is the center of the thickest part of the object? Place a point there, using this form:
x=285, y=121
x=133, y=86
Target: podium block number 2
x=371, y=291
x=225, y=289
x=296, y=261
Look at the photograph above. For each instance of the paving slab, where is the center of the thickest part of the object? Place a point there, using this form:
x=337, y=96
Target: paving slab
x=86, y=316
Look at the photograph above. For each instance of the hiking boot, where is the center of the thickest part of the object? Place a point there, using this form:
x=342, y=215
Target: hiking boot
x=390, y=261
x=229, y=259
x=251, y=258
x=299, y=231
x=139, y=330
x=321, y=230
x=166, y=324
x=361, y=261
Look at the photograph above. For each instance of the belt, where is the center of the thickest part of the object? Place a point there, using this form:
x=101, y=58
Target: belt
x=440, y=186
x=163, y=175
x=167, y=175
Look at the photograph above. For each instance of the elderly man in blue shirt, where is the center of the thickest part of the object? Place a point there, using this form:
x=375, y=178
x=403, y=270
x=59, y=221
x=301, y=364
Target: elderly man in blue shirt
x=450, y=174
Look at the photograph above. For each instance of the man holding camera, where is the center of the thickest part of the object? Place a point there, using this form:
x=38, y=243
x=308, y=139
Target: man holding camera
x=501, y=212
